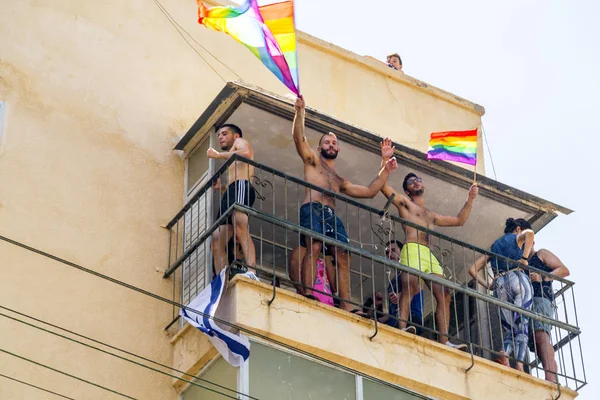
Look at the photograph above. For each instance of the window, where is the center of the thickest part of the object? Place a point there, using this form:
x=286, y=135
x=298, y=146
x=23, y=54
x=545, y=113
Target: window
x=220, y=372
x=196, y=268
x=376, y=391
x=197, y=166
x=278, y=375
x=275, y=374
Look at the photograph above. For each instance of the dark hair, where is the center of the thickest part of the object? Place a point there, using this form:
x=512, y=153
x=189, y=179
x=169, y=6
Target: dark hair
x=398, y=243
x=326, y=134
x=512, y=224
x=234, y=128
x=407, y=177
x=397, y=56
x=369, y=303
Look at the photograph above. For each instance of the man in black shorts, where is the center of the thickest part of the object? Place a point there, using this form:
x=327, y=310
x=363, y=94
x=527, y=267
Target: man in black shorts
x=240, y=191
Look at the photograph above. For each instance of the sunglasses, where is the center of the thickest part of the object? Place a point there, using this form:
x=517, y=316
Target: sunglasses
x=413, y=180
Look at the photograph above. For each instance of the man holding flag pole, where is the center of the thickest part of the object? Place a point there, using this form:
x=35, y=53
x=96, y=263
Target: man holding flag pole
x=411, y=207
x=267, y=29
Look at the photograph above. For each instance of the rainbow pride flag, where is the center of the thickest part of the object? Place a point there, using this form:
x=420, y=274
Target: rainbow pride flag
x=459, y=146
x=266, y=27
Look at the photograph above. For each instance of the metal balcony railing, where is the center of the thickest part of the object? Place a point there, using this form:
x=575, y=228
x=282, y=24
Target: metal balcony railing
x=474, y=313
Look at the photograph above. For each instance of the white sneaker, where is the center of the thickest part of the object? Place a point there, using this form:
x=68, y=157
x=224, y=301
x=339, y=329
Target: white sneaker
x=459, y=346
x=410, y=329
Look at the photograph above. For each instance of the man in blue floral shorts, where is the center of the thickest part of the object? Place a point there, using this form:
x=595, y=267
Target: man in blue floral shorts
x=318, y=209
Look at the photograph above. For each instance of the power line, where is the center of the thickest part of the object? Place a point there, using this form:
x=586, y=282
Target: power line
x=178, y=305
x=489, y=151
x=116, y=355
x=179, y=30
x=194, y=39
x=66, y=374
x=121, y=350
x=37, y=387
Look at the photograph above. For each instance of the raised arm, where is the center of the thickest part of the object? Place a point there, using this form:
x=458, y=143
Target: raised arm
x=525, y=239
x=400, y=199
x=463, y=215
x=304, y=151
x=477, y=266
x=240, y=147
x=368, y=192
x=553, y=262
x=387, y=152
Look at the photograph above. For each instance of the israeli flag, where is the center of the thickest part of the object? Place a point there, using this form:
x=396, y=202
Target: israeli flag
x=233, y=347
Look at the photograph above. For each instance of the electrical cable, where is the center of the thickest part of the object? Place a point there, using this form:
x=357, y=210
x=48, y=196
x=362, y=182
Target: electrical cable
x=489, y=151
x=179, y=28
x=37, y=387
x=121, y=350
x=66, y=374
x=116, y=355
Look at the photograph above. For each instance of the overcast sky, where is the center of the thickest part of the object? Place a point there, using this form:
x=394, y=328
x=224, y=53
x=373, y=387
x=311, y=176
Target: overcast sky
x=534, y=65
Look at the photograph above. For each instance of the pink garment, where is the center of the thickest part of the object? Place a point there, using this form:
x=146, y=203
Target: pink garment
x=322, y=284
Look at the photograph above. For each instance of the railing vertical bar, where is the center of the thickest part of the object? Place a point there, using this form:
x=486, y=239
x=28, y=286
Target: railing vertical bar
x=581, y=358
x=360, y=240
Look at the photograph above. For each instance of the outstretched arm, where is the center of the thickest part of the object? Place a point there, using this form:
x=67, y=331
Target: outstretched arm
x=302, y=147
x=477, y=266
x=463, y=215
x=240, y=147
x=364, y=192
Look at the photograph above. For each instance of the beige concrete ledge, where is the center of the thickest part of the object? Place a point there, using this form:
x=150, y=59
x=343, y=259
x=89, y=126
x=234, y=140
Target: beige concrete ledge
x=382, y=68
x=407, y=360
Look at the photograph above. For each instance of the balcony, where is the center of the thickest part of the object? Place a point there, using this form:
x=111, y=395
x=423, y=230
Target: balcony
x=275, y=230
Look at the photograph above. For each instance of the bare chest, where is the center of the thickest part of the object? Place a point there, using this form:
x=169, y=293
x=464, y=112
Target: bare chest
x=419, y=215
x=325, y=177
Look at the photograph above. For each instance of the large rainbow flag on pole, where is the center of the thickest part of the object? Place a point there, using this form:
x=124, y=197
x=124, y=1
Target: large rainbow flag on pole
x=459, y=146
x=266, y=27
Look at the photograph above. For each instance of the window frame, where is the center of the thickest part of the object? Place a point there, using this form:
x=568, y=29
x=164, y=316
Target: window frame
x=189, y=192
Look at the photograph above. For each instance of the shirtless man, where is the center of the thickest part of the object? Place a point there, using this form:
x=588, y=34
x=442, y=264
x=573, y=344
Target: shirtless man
x=240, y=190
x=317, y=212
x=416, y=253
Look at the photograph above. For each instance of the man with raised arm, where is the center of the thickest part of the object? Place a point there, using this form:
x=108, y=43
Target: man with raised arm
x=239, y=190
x=317, y=212
x=416, y=253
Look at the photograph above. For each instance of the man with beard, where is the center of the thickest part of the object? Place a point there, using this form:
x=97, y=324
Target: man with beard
x=416, y=253
x=240, y=190
x=317, y=211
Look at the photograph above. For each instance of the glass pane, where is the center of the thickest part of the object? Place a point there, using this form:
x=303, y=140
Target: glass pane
x=377, y=391
x=275, y=375
x=220, y=372
x=197, y=164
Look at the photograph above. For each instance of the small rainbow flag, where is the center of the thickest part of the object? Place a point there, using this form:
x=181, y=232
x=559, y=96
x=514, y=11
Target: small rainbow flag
x=266, y=27
x=459, y=146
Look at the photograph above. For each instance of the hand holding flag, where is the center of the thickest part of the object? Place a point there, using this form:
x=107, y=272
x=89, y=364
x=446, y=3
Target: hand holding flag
x=458, y=146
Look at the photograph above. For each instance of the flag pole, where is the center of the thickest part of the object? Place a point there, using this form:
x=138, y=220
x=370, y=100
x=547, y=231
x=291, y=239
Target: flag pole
x=296, y=40
x=476, y=149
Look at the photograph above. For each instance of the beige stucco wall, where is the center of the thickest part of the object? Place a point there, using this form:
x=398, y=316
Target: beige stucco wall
x=97, y=94
x=407, y=360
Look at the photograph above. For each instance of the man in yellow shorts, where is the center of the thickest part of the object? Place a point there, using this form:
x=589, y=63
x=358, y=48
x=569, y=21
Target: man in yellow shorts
x=416, y=253
x=418, y=256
